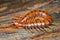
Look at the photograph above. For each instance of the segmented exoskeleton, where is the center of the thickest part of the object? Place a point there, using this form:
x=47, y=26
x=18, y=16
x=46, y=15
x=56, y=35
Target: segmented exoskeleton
x=36, y=19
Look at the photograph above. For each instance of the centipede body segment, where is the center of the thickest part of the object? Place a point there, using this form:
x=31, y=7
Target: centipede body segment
x=36, y=19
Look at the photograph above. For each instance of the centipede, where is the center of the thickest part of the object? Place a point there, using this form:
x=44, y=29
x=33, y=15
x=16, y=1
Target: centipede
x=36, y=19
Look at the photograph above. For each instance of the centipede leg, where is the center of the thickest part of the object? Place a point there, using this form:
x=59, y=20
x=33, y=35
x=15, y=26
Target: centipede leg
x=49, y=27
x=36, y=28
x=46, y=26
x=43, y=27
x=31, y=29
x=39, y=28
x=26, y=28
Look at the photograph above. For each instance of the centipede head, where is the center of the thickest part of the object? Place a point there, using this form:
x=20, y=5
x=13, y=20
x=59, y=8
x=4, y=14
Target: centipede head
x=16, y=21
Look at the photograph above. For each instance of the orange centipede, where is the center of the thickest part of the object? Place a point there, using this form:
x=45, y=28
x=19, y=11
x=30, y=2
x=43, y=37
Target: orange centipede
x=36, y=19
